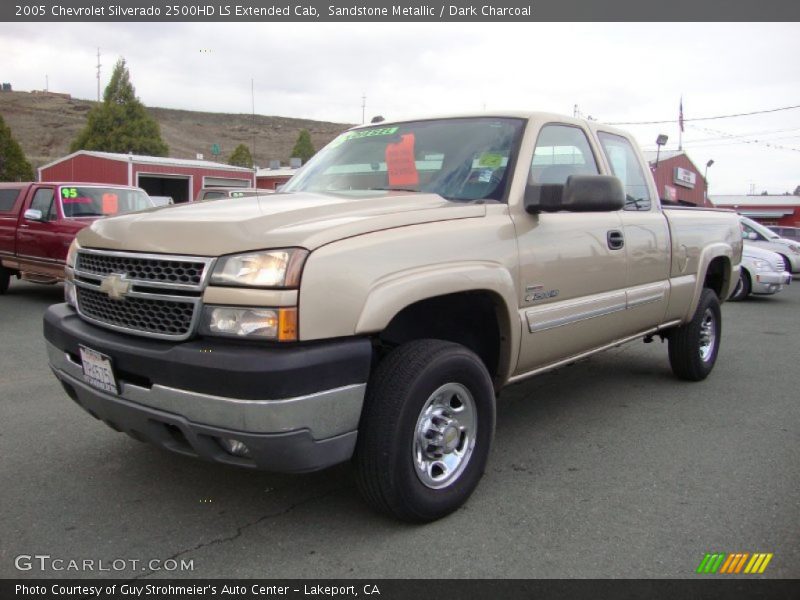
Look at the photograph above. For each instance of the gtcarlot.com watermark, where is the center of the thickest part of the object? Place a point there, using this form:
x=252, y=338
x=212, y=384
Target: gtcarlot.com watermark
x=46, y=562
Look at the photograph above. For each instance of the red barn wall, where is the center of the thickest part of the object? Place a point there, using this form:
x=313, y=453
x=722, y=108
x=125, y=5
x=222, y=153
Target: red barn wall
x=89, y=169
x=665, y=175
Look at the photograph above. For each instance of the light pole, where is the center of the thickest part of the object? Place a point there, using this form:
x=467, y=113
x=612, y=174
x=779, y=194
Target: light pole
x=661, y=140
x=705, y=181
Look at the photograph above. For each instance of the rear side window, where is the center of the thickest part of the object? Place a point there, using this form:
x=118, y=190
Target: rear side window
x=626, y=166
x=43, y=201
x=561, y=151
x=8, y=198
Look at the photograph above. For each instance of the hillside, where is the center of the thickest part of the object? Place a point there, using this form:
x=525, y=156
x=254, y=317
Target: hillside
x=46, y=124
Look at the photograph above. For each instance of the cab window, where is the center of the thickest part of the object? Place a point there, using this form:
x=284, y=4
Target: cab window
x=43, y=202
x=561, y=151
x=626, y=166
x=8, y=198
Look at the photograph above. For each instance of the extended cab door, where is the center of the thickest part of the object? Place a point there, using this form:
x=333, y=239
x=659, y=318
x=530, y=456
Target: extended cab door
x=573, y=265
x=42, y=244
x=647, y=238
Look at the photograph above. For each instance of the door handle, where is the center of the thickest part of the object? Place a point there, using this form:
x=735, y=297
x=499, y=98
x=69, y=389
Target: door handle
x=615, y=239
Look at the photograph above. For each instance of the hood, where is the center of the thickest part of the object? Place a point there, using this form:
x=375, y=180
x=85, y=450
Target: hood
x=231, y=225
x=752, y=251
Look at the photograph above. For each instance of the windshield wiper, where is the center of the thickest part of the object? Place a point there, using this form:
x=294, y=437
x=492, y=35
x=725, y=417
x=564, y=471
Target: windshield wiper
x=392, y=189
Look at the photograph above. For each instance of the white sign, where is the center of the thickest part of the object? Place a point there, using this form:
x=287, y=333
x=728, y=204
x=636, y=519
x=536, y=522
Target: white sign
x=685, y=177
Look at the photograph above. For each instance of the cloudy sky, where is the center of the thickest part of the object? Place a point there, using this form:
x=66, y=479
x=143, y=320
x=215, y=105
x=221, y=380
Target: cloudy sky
x=613, y=72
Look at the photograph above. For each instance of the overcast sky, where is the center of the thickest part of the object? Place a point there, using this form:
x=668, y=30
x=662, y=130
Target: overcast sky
x=613, y=72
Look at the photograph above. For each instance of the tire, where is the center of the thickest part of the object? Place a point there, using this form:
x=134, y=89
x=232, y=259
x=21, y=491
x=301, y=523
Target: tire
x=743, y=287
x=693, y=347
x=5, y=279
x=411, y=462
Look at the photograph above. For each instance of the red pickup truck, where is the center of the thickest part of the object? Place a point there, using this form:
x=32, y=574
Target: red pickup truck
x=38, y=222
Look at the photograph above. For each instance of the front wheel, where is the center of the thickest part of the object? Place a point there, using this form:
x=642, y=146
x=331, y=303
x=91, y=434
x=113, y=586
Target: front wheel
x=742, y=289
x=425, y=431
x=693, y=347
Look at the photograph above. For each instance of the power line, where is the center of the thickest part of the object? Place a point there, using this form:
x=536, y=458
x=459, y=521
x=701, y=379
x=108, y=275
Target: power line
x=747, y=114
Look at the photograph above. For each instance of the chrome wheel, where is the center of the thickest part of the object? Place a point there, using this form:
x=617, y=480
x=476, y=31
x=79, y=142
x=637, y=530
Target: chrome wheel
x=708, y=335
x=444, y=437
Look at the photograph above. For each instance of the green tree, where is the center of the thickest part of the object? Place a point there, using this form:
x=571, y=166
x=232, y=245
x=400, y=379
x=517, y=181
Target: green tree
x=121, y=122
x=303, y=148
x=13, y=164
x=241, y=157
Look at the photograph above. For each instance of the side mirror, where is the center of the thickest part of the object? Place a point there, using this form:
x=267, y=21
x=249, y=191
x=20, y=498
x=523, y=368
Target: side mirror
x=33, y=215
x=581, y=193
x=752, y=236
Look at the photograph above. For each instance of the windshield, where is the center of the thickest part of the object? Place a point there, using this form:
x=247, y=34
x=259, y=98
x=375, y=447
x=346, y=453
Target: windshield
x=79, y=201
x=759, y=228
x=459, y=159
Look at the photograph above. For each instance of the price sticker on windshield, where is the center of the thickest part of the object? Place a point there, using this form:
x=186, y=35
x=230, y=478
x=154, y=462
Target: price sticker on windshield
x=400, y=162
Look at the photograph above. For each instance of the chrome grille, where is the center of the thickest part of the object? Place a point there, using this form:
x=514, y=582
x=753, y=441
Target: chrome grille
x=162, y=317
x=152, y=295
x=143, y=269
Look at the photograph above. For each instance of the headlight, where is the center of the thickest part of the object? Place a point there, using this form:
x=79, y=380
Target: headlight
x=240, y=322
x=794, y=248
x=761, y=265
x=72, y=253
x=268, y=269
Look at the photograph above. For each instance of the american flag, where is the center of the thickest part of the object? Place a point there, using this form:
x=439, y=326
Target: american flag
x=680, y=114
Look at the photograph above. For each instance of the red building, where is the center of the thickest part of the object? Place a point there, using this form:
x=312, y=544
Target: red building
x=178, y=178
x=768, y=210
x=678, y=180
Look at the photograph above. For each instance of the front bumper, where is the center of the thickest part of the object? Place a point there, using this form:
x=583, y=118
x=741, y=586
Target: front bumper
x=296, y=408
x=770, y=282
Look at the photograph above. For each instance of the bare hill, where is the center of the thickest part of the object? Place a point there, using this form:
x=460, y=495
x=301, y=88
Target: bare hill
x=45, y=125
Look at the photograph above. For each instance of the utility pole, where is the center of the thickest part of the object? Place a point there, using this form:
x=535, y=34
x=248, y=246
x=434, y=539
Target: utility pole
x=98, y=74
x=363, y=106
x=253, y=102
x=46, y=83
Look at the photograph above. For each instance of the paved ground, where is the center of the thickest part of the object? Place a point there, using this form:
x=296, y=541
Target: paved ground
x=609, y=468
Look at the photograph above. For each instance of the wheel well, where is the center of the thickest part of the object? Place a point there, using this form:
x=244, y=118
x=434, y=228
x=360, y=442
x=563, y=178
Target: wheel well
x=717, y=275
x=475, y=319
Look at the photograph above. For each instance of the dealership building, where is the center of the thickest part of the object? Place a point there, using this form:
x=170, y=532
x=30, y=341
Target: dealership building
x=179, y=178
x=769, y=210
x=678, y=180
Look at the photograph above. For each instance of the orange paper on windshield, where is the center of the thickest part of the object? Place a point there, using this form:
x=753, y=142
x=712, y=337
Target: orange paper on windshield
x=110, y=204
x=400, y=162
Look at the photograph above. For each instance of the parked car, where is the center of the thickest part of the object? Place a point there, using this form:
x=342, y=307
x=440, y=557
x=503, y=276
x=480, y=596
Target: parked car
x=215, y=193
x=762, y=272
x=757, y=234
x=789, y=233
x=38, y=222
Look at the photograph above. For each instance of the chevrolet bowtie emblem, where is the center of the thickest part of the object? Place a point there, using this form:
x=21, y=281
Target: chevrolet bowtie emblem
x=116, y=286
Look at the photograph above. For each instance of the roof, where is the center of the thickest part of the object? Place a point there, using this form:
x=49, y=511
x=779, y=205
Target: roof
x=735, y=200
x=282, y=172
x=650, y=155
x=152, y=160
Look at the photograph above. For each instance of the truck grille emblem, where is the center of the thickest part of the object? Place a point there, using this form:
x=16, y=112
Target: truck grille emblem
x=116, y=286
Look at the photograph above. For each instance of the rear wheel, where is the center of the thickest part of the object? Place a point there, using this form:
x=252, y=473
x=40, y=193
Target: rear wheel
x=5, y=279
x=425, y=431
x=693, y=347
x=743, y=287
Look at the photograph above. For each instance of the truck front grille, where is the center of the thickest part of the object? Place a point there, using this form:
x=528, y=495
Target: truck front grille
x=143, y=269
x=150, y=295
x=164, y=317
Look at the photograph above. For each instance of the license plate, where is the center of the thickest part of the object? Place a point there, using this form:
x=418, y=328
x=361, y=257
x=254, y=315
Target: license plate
x=97, y=370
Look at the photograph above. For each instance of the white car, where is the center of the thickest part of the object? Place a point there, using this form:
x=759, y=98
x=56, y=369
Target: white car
x=762, y=272
x=756, y=234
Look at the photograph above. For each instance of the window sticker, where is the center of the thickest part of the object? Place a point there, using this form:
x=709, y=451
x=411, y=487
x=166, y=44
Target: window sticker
x=72, y=196
x=491, y=160
x=362, y=133
x=110, y=204
x=400, y=162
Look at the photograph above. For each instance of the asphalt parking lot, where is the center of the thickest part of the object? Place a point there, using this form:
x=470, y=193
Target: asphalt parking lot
x=607, y=468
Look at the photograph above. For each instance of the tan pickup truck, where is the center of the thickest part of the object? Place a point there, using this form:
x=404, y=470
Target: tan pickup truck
x=375, y=309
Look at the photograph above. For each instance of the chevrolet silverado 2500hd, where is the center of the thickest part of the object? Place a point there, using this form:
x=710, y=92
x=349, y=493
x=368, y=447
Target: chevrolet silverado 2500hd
x=374, y=310
x=38, y=222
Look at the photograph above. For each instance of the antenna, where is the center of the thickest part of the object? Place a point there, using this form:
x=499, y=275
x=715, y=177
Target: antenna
x=98, y=74
x=363, y=105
